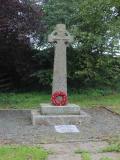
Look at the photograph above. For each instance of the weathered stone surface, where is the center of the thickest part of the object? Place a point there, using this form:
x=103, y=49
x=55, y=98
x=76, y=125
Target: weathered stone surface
x=62, y=38
x=69, y=109
x=16, y=128
x=39, y=119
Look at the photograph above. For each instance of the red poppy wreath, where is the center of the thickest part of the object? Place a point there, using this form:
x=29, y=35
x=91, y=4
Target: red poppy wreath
x=59, y=98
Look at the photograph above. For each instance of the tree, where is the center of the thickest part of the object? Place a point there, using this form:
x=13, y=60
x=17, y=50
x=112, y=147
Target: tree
x=92, y=22
x=95, y=26
x=19, y=20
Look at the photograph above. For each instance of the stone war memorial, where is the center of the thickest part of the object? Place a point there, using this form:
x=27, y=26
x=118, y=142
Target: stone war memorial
x=59, y=111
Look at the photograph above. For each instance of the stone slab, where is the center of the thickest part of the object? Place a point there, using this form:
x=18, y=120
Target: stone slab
x=49, y=120
x=66, y=129
x=49, y=109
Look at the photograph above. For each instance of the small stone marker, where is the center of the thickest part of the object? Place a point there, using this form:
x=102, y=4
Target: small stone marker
x=61, y=37
x=66, y=129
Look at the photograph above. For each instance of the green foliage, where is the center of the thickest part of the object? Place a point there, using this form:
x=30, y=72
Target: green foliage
x=112, y=148
x=86, y=156
x=44, y=77
x=43, y=73
x=22, y=152
x=92, y=22
x=84, y=70
x=92, y=70
x=95, y=27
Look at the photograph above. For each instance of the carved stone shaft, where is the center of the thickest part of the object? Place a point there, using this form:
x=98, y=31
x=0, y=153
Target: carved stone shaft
x=60, y=68
x=62, y=38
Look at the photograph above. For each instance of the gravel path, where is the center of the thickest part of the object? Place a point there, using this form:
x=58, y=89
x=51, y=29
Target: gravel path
x=16, y=128
x=66, y=151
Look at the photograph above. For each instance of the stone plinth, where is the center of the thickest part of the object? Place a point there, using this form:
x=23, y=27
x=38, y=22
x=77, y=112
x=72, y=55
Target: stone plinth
x=57, y=115
x=70, y=109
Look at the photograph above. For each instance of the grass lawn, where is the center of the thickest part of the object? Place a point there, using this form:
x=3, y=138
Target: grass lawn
x=33, y=99
x=22, y=153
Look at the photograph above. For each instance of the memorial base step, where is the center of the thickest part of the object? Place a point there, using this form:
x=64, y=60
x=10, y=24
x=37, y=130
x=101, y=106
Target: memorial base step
x=52, y=115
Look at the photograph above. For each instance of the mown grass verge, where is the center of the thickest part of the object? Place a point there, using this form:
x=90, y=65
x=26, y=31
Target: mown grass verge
x=91, y=98
x=22, y=153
